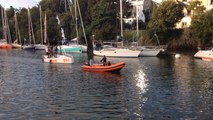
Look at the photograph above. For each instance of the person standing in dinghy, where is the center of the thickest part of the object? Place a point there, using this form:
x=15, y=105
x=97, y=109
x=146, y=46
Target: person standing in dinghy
x=104, y=60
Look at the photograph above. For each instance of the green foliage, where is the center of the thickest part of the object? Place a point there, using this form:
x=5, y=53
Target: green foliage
x=163, y=20
x=202, y=28
x=183, y=40
x=166, y=16
x=103, y=21
x=100, y=17
x=195, y=8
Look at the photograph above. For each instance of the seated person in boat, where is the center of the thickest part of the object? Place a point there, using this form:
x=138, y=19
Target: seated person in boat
x=108, y=63
x=48, y=51
x=91, y=62
x=104, y=60
x=55, y=51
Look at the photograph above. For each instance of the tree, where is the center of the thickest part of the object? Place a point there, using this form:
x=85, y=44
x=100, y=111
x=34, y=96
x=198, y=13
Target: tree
x=164, y=19
x=202, y=28
x=103, y=21
x=195, y=8
x=166, y=16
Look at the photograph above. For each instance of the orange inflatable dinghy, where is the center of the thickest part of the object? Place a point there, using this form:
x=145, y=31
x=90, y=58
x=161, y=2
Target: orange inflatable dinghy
x=100, y=68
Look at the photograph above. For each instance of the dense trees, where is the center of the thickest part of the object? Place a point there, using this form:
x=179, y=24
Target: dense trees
x=202, y=28
x=102, y=19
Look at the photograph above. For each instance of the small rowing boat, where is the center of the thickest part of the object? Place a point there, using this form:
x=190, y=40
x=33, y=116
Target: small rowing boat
x=100, y=68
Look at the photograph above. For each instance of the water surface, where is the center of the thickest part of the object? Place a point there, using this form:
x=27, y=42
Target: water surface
x=147, y=88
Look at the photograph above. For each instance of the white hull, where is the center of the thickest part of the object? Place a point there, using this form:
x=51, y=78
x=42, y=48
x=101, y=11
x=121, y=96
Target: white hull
x=84, y=48
x=40, y=47
x=58, y=59
x=28, y=47
x=204, y=53
x=150, y=51
x=16, y=45
x=121, y=53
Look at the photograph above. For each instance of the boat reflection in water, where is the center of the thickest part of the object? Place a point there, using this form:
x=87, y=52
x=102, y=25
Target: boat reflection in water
x=108, y=76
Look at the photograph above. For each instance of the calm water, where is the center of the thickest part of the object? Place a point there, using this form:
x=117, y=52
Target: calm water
x=147, y=88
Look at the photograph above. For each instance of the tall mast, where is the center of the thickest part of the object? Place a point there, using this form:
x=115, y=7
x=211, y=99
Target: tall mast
x=3, y=23
x=18, y=36
x=45, y=28
x=121, y=20
x=31, y=26
x=2, y=17
x=82, y=24
x=42, y=41
x=76, y=19
x=8, y=35
x=137, y=26
x=29, y=30
x=65, y=5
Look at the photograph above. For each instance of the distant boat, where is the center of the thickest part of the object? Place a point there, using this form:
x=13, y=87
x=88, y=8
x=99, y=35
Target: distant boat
x=42, y=46
x=27, y=43
x=118, y=52
x=150, y=51
x=17, y=42
x=204, y=53
x=5, y=43
x=73, y=46
x=147, y=51
x=63, y=57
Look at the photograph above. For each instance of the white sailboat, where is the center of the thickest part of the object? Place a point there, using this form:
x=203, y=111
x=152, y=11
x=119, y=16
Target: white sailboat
x=151, y=51
x=41, y=46
x=73, y=45
x=5, y=43
x=27, y=44
x=17, y=42
x=204, y=53
x=118, y=52
x=146, y=51
x=62, y=56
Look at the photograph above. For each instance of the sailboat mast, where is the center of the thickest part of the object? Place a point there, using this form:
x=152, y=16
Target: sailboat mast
x=15, y=25
x=137, y=25
x=17, y=29
x=31, y=26
x=82, y=24
x=76, y=20
x=29, y=30
x=121, y=20
x=7, y=28
x=3, y=22
x=45, y=28
x=42, y=41
x=65, y=5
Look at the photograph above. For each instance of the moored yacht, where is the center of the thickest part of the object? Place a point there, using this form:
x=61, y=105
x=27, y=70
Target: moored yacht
x=204, y=53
